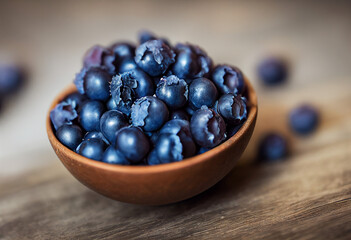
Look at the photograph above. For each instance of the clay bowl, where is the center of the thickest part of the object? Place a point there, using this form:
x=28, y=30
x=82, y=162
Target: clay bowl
x=160, y=184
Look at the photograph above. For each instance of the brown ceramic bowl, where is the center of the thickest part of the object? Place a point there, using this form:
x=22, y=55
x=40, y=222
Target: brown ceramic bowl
x=159, y=184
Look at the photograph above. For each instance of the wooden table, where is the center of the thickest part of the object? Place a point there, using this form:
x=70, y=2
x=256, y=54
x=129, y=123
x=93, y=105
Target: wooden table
x=307, y=196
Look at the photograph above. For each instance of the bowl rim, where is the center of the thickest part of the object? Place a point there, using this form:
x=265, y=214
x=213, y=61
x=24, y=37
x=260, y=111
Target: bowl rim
x=252, y=97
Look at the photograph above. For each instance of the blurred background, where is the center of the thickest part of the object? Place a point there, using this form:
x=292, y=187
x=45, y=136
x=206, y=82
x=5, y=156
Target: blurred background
x=50, y=38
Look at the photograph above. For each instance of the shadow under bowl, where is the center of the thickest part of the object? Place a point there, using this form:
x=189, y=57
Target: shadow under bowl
x=159, y=184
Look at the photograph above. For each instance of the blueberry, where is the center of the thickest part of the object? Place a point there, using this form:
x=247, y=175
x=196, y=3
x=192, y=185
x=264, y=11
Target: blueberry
x=180, y=128
x=191, y=62
x=145, y=36
x=232, y=108
x=123, y=49
x=207, y=127
x=133, y=144
x=273, y=146
x=126, y=64
x=114, y=156
x=110, y=122
x=173, y=91
x=169, y=148
x=203, y=150
x=149, y=113
x=273, y=71
x=77, y=98
x=304, y=119
x=95, y=134
x=176, y=126
x=98, y=56
x=94, y=56
x=145, y=85
x=69, y=135
x=183, y=142
x=128, y=86
x=152, y=158
x=174, y=148
x=202, y=91
x=154, y=57
x=179, y=114
x=90, y=114
x=12, y=77
x=228, y=79
x=94, y=82
x=64, y=112
x=111, y=104
x=92, y=148
x=122, y=95
x=79, y=80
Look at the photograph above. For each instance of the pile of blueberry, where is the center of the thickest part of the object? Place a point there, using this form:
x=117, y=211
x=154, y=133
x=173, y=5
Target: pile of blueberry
x=150, y=104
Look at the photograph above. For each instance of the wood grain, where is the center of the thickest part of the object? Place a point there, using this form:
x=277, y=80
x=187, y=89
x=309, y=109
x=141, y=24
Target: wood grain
x=307, y=196
x=294, y=199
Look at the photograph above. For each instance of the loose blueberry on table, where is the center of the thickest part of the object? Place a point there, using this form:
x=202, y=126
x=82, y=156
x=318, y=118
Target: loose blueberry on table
x=304, y=119
x=12, y=78
x=273, y=147
x=150, y=103
x=273, y=71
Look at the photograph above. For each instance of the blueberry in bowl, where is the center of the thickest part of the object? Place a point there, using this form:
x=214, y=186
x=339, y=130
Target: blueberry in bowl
x=149, y=113
x=173, y=91
x=202, y=92
x=228, y=79
x=148, y=144
x=154, y=57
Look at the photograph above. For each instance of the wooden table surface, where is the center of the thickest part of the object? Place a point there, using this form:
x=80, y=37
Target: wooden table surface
x=306, y=196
